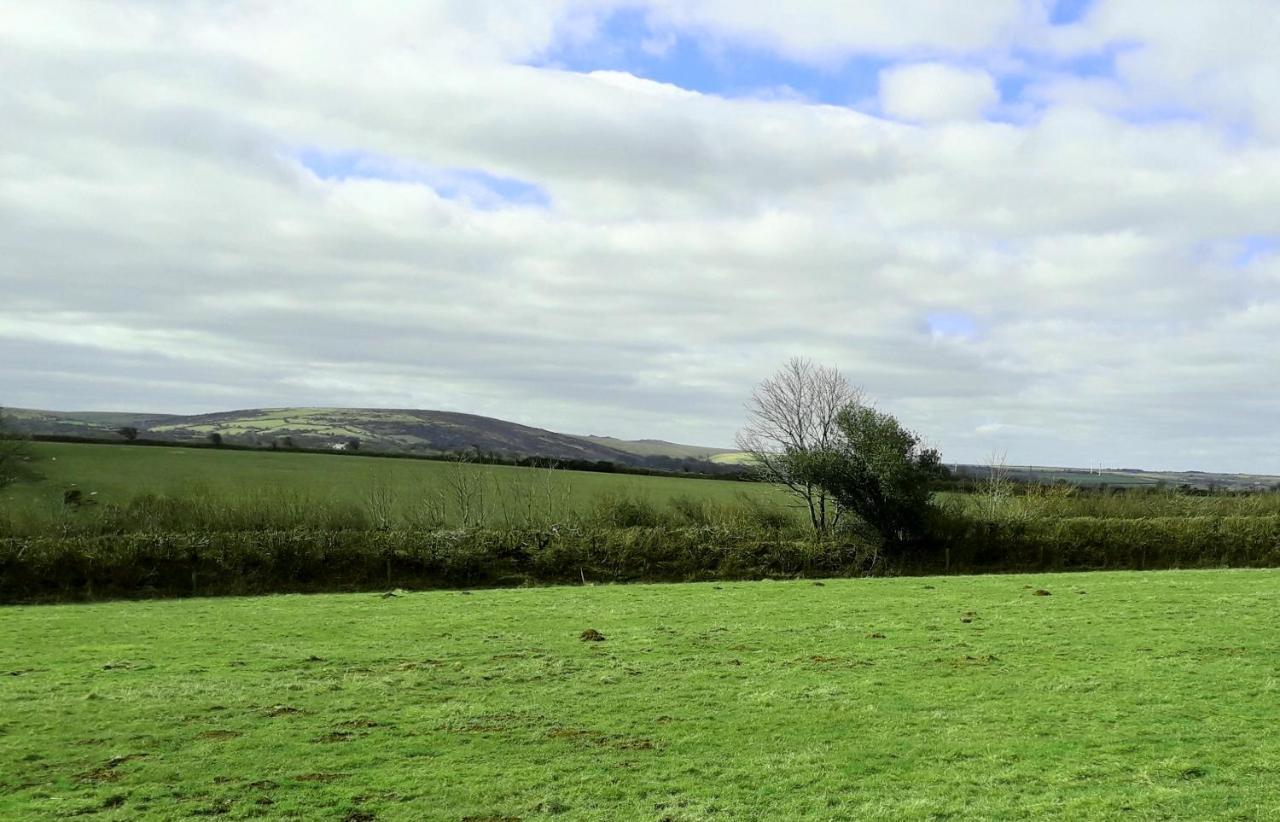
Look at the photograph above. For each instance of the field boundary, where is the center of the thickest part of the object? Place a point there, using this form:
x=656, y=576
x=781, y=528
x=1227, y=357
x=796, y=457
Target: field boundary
x=532, y=461
x=147, y=564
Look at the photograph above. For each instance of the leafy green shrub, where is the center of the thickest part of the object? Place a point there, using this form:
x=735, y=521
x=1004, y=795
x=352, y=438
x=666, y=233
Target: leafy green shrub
x=692, y=511
x=961, y=543
x=747, y=512
x=756, y=513
x=876, y=471
x=614, y=511
x=1061, y=501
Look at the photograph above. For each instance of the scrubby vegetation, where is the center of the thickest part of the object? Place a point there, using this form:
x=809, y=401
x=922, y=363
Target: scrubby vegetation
x=343, y=523
x=846, y=490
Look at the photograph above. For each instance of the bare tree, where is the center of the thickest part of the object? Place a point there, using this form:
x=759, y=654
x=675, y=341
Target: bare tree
x=380, y=503
x=996, y=486
x=465, y=490
x=791, y=418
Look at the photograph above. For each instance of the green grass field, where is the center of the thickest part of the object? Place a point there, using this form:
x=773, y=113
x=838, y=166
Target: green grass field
x=1122, y=695
x=116, y=473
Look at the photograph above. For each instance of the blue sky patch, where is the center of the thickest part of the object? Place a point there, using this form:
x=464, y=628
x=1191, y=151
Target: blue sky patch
x=627, y=42
x=1255, y=246
x=951, y=324
x=1066, y=12
x=1038, y=66
x=476, y=186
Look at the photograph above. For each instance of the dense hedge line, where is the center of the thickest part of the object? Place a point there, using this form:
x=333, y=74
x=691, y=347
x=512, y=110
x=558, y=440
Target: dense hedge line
x=173, y=564
x=71, y=567
x=1095, y=543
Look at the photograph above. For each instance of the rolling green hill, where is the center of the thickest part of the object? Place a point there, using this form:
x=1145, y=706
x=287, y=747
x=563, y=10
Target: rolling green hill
x=369, y=429
x=658, y=448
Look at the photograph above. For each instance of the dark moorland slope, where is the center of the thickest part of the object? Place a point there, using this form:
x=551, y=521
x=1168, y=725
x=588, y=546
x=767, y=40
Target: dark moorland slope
x=369, y=429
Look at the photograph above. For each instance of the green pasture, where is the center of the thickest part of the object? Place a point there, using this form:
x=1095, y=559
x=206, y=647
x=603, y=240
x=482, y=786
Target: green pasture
x=118, y=473
x=290, y=488
x=1084, y=696
x=318, y=421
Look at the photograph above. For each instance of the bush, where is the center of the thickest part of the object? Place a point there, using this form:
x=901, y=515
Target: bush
x=244, y=562
x=876, y=471
x=966, y=544
x=692, y=511
x=626, y=512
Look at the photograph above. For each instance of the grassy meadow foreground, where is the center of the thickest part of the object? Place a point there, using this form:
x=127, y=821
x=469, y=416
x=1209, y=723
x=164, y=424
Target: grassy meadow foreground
x=1134, y=695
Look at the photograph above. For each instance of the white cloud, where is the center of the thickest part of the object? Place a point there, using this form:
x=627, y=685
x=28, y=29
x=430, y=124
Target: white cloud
x=931, y=92
x=164, y=249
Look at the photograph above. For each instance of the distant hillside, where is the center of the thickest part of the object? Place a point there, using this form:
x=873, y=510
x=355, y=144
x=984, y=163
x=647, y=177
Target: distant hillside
x=1125, y=477
x=657, y=448
x=80, y=423
x=440, y=432
x=371, y=429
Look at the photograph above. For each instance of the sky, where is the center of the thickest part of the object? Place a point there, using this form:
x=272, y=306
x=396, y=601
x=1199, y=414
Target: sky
x=1048, y=229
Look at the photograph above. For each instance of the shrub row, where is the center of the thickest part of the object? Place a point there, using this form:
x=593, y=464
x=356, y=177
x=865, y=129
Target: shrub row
x=473, y=501
x=70, y=567
x=961, y=544
x=175, y=564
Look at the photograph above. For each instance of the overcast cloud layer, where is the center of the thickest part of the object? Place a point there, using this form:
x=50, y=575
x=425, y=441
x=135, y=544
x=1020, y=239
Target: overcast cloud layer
x=1045, y=228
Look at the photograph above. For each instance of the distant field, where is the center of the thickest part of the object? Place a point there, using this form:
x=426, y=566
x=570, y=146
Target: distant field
x=1119, y=695
x=117, y=473
x=732, y=458
x=658, y=448
x=293, y=420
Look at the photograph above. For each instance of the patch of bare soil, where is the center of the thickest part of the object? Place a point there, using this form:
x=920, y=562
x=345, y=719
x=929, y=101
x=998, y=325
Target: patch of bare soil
x=596, y=739
x=335, y=736
x=360, y=723
x=486, y=724
x=320, y=777
x=418, y=666
x=109, y=772
x=221, y=807
x=969, y=661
